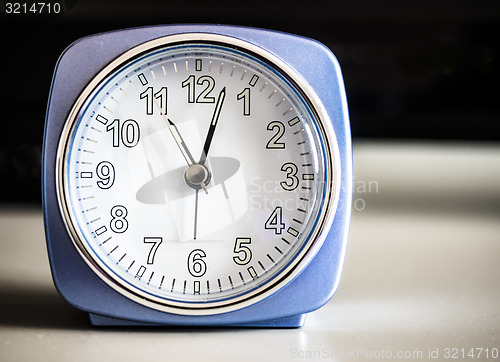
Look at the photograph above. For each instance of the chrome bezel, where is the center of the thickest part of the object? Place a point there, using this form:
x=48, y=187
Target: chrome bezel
x=323, y=221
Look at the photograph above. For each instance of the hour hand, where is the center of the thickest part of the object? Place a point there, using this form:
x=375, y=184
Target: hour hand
x=177, y=137
x=180, y=142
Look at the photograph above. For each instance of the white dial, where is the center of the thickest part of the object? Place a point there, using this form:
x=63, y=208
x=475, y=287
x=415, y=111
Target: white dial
x=196, y=174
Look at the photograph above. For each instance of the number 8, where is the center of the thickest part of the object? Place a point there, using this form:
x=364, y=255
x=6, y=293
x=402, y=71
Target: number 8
x=118, y=223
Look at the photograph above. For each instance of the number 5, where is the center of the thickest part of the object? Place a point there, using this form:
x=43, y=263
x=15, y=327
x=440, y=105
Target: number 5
x=244, y=253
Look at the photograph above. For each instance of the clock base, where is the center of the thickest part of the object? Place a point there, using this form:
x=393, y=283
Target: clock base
x=287, y=322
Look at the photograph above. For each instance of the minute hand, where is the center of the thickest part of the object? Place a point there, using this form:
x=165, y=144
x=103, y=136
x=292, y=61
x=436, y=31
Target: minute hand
x=213, y=125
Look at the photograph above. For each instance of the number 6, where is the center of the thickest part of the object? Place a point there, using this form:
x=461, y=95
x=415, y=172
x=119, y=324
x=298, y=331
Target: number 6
x=196, y=265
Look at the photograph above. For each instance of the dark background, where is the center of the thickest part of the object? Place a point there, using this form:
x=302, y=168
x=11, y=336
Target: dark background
x=414, y=70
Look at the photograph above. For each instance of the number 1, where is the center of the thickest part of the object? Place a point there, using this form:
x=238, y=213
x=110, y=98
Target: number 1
x=245, y=95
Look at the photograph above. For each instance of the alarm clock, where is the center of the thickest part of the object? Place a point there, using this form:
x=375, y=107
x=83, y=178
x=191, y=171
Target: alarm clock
x=197, y=175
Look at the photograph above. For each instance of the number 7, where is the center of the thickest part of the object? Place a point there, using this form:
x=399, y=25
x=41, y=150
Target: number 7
x=156, y=241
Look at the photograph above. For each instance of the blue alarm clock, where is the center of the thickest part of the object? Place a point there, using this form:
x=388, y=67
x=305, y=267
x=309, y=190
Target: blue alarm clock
x=197, y=175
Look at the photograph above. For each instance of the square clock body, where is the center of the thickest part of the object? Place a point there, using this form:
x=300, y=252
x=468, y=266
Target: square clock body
x=197, y=175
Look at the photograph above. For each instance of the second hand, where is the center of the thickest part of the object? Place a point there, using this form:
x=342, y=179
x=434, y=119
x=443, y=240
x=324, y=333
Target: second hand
x=195, y=213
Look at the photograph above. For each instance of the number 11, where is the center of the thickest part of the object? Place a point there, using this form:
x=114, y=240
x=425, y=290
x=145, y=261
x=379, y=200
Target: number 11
x=161, y=95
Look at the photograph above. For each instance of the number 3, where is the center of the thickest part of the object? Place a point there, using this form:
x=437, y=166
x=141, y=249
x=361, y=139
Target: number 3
x=292, y=181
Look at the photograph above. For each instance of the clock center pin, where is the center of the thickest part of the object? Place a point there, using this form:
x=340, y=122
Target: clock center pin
x=197, y=175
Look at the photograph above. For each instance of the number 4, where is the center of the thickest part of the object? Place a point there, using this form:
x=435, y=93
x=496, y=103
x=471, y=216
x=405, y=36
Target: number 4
x=275, y=221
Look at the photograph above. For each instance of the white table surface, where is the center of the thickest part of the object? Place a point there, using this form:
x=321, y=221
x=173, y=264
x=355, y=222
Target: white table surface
x=421, y=279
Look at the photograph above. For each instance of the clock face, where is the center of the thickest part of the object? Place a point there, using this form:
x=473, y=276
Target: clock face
x=197, y=174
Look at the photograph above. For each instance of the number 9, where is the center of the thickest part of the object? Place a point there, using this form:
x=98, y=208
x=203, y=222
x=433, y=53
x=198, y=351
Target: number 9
x=106, y=172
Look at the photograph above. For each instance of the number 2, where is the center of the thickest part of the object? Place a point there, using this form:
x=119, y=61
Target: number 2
x=274, y=141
